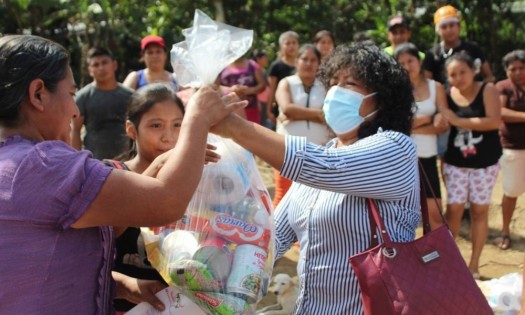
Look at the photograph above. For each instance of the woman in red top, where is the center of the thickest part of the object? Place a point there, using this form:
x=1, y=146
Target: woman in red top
x=512, y=131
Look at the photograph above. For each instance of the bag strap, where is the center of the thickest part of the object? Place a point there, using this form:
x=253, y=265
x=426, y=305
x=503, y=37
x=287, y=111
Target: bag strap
x=424, y=205
x=377, y=222
x=424, y=197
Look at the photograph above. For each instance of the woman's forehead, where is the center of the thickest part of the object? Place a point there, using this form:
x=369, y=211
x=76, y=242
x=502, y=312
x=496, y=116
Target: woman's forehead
x=344, y=73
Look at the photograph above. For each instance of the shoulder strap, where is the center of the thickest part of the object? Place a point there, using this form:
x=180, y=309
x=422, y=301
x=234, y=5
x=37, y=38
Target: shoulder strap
x=480, y=93
x=141, y=78
x=483, y=86
x=116, y=164
x=432, y=89
x=376, y=220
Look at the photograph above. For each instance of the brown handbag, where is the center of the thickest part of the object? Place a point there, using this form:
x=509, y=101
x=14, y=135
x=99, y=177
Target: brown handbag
x=425, y=276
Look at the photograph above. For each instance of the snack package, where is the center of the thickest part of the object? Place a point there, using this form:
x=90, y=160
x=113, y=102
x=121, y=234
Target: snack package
x=220, y=254
x=209, y=46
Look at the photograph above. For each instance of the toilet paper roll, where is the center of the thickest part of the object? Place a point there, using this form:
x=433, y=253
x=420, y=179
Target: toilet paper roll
x=223, y=183
x=503, y=301
x=517, y=301
x=178, y=245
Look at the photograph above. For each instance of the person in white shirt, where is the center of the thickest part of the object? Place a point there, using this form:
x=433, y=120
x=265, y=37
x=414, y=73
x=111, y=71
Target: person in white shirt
x=430, y=97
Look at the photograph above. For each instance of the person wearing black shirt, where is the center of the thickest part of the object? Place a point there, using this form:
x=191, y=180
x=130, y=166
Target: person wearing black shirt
x=447, y=22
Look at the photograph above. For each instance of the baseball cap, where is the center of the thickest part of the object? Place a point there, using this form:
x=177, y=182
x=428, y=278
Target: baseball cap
x=397, y=20
x=444, y=15
x=152, y=39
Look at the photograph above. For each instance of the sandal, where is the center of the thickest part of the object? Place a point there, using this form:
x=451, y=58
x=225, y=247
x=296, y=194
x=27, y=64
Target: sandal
x=504, y=242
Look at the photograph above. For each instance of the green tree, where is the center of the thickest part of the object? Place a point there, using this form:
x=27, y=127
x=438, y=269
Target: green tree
x=120, y=24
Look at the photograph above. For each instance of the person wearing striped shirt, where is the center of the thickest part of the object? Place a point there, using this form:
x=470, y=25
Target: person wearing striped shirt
x=369, y=106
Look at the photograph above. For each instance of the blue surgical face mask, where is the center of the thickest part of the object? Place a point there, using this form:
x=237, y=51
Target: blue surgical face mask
x=341, y=109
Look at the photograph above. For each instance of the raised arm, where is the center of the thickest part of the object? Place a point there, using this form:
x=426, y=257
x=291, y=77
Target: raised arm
x=391, y=156
x=382, y=166
x=130, y=199
x=255, y=138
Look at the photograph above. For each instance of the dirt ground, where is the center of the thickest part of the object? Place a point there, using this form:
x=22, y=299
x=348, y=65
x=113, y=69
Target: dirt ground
x=494, y=261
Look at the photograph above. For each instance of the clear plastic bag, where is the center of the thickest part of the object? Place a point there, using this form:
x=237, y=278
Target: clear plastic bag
x=220, y=254
x=504, y=293
x=208, y=48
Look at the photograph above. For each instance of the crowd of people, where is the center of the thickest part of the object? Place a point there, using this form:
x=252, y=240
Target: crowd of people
x=339, y=123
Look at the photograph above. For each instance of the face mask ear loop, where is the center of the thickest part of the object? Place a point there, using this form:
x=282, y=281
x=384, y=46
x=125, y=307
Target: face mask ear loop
x=372, y=113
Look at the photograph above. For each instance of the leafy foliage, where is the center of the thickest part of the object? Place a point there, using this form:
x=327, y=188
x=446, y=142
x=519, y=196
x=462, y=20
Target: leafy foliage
x=120, y=24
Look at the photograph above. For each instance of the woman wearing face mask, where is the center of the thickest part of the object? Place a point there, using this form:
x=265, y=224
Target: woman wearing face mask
x=369, y=106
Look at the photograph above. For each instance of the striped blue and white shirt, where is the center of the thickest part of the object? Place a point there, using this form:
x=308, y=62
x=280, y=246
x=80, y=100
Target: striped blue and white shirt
x=326, y=211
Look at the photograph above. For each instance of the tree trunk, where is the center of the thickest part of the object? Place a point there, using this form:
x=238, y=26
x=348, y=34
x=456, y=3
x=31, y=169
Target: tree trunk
x=219, y=11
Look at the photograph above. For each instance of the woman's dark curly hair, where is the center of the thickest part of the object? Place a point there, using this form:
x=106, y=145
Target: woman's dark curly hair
x=380, y=73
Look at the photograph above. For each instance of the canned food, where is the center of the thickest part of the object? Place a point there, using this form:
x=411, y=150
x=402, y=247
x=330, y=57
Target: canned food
x=247, y=272
x=214, y=253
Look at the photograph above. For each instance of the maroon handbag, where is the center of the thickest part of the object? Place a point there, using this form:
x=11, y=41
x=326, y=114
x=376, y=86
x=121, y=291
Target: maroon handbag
x=425, y=276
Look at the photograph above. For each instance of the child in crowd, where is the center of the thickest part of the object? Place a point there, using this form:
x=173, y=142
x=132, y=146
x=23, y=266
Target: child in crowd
x=512, y=136
x=471, y=160
x=154, y=119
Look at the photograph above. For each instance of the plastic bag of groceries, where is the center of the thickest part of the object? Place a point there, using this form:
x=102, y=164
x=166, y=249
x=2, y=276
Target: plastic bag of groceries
x=209, y=46
x=220, y=254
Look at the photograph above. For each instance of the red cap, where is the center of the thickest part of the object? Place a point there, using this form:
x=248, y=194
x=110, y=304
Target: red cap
x=152, y=39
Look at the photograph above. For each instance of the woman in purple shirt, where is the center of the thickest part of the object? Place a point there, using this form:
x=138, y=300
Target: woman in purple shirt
x=57, y=205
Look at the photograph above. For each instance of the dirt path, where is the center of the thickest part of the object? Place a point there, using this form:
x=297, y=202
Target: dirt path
x=494, y=261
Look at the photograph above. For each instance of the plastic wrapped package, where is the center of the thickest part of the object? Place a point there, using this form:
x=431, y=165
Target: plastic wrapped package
x=209, y=46
x=504, y=293
x=220, y=254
